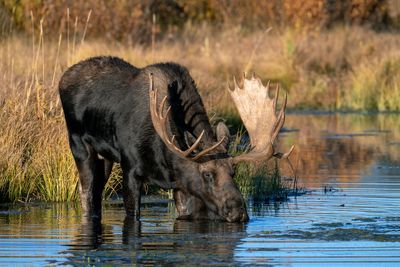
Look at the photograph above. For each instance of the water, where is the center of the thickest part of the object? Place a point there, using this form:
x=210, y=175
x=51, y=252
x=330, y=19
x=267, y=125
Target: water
x=350, y=215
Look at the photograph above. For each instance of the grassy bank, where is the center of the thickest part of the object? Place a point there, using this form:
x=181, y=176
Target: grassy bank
x=345, y=68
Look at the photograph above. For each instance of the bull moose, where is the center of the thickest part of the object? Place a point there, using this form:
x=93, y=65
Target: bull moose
x=116, y=112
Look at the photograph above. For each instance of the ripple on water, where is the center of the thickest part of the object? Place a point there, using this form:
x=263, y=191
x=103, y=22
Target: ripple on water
x=349, y=216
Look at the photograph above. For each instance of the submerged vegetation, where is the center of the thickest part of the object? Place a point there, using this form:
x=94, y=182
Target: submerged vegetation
x=261, y=183
x=347, y=67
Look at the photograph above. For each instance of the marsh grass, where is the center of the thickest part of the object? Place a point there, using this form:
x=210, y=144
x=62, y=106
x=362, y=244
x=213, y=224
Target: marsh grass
x=261, y=182
x=36, y=162
x=375, y=86
x=346, y=68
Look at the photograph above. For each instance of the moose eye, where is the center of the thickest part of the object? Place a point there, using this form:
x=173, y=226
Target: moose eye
x=208, y=176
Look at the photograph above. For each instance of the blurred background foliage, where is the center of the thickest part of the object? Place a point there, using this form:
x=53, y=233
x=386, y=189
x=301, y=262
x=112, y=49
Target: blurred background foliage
x=132, y=20
x=328, y=55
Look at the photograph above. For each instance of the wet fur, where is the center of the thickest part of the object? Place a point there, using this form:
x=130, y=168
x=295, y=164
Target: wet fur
x=106, y=107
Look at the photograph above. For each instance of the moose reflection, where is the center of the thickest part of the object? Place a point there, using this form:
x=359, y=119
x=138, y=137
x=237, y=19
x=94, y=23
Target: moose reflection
x=336, y=145
x=162, y=242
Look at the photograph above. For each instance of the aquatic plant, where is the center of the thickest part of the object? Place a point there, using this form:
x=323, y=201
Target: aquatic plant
x=262, y=181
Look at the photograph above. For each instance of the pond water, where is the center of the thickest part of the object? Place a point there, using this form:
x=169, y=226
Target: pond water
x=349, y=165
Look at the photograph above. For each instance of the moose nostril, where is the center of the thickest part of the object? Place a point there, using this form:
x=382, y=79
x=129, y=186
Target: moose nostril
x=233, y=216
x=238, y=215
x=234, y=210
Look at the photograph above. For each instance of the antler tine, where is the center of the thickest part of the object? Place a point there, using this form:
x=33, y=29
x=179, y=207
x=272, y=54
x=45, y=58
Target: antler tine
x=276, y=95
x=209, y=149
x=160, y=118
x=151, y=82
x=280, y=155
x=231, y=88
x=235, y=82
x=280, y=121
x=254, y=156
x=194, y=146
x=191, y=148
x=285, y=156
x=162, y=105
x=153, y=95
x=267, y=89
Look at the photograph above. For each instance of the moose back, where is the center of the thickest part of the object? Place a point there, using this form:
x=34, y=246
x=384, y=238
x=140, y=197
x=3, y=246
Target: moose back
x=153, y=122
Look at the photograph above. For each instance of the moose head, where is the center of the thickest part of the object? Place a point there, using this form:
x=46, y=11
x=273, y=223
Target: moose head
x=206, y=167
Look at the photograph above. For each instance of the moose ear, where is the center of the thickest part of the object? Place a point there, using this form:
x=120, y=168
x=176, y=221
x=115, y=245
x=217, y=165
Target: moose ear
x=223, y=132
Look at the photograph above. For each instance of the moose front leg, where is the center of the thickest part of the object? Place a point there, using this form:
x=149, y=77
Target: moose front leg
x=131, y=190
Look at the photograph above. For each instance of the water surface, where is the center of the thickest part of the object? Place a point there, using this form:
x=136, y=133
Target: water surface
x=350, y=215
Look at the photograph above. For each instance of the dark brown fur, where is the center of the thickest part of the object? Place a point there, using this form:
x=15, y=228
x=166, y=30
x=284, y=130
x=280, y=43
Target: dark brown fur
x=106, y=106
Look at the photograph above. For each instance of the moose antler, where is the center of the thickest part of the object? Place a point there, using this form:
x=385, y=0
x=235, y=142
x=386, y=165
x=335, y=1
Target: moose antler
x=160, y=125
x=258, y=113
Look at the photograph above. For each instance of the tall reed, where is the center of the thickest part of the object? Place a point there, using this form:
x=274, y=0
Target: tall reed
x=36, y=162
x=345, y=68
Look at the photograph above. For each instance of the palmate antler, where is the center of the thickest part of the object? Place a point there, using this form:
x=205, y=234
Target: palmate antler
x=258, y=113
x=257, y=110
x=160, y=120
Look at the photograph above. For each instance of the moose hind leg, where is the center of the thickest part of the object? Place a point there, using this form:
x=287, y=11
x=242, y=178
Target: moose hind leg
x=92, y=176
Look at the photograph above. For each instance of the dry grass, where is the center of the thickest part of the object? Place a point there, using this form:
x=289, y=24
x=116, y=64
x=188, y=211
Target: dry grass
x=346, y=68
